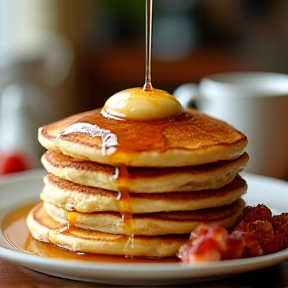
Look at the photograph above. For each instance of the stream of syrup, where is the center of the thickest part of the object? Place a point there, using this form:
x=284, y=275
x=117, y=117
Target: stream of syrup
x=145, y=103
x=148, y=82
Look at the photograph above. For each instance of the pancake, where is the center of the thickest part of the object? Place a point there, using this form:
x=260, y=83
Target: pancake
x=73, y=196
x=137, y=188
x=190, y=139
x=164, y=223
x=44, y=228
x=148, y=180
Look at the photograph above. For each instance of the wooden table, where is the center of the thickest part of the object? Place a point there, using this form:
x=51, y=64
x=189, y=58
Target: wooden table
x=14, y=276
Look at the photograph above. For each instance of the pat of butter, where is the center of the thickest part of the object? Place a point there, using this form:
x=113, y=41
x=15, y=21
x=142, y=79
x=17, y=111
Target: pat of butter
x=138, y=104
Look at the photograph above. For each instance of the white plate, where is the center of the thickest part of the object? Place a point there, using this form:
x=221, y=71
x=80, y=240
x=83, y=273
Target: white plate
x=22, y=189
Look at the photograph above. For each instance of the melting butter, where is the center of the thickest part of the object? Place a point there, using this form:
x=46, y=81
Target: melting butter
x=140, y=104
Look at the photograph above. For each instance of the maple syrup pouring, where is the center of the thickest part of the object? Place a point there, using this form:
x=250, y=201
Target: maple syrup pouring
x=149, y=12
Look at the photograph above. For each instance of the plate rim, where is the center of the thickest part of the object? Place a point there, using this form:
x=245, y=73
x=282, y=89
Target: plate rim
x=30, y=260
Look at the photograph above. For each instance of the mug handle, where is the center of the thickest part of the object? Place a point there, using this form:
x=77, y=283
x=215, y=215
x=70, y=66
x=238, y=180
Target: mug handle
x=187, y=94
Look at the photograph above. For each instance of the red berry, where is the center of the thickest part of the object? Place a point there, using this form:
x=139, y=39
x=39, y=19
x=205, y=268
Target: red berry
x=12, y=163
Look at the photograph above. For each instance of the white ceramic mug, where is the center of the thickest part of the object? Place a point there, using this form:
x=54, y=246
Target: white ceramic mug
x=256, y=103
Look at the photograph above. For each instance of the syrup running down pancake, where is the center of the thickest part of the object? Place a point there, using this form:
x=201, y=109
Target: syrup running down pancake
x=147, y=224
x=145, y=180
x=191, y=138
x=84, y=239
x=75, y=197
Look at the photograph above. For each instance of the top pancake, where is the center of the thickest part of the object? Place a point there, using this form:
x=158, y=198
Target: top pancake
x=191, y=139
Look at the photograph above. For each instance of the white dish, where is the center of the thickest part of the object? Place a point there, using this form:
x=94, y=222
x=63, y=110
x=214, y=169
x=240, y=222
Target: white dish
x=25, y=187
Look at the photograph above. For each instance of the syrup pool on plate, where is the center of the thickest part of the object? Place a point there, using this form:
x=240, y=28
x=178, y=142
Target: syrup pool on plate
x=18, y=236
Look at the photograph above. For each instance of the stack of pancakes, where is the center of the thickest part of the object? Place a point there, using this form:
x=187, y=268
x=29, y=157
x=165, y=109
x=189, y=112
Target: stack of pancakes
x=137, y=188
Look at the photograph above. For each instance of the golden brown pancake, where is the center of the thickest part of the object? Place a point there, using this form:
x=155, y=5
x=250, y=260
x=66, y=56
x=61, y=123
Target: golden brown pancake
x=44, y=228
x=148, y=180
x=190, y=139
x=73, y=196
x=149, y=224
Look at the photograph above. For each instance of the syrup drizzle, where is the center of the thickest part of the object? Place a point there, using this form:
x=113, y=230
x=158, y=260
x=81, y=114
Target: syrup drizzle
x=108, y=142
x=148, y=82
x=109, y=139
x=124, y=205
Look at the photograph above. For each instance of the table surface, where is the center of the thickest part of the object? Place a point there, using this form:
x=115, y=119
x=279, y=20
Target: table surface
x=15, y=276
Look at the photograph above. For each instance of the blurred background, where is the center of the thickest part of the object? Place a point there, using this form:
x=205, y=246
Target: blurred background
x=60, y=57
